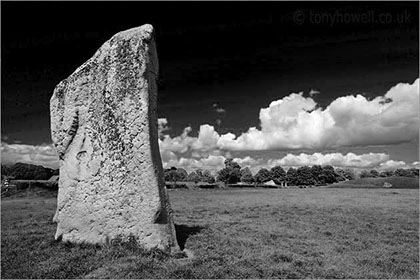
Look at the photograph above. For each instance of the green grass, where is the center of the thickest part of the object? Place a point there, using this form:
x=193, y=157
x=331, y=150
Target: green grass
x=235, y=233
x=397, y=183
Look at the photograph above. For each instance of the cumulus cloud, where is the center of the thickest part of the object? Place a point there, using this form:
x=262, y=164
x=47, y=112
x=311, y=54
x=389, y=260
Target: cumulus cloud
x=211, y=163
x=295, y=122
x=351, y=160
x=392, y=164
x=44, y=155
x=206, y=141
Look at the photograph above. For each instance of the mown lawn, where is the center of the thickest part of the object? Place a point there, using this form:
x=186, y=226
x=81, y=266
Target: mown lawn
x=235, y=233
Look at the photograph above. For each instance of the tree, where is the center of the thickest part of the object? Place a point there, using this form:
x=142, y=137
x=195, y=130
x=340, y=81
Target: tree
x=291, y=176
x=328, y=175
x=402, y=172
x=364, y=174
x=344, y=174
x=229, y=163
x=24, y=171
x=199, y=173
x=5, y=171
x=207, y=177
x=223, y=175
x=386, y=173
x=193, y=177
x=172, y=175
x=181, y=174
x=373, y=173
x=278, y=174
x=304, y=176
x=231, y=174
x=246, y=176
x=316, y=173
x=263, y=175
x=414, y=172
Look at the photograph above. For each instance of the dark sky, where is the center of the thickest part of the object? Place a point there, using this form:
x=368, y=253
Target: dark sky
x=241, y=56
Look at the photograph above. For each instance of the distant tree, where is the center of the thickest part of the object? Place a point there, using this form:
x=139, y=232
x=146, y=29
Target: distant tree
x=373, y=173
x=344, y=174
x=414, y=172
x=181, y=174
x=207, y=177
x=5, y=171
x=171, y=175
x=24, y=171
x=231, y=174
x=199, y=173
x=402, y=172
x=328, y=175
x=291, y=176
x=304, y=176
x=316, y=173
x=386, y=173
x=278, y=174
x=263, y=175
x=364, y=174
x=246, y=176
x=166, y=174
x=223, y=175
x=193, y=177
x=229, y=163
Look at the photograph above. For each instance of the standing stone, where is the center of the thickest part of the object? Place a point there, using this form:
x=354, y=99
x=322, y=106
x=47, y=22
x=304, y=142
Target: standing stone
x=104, y=129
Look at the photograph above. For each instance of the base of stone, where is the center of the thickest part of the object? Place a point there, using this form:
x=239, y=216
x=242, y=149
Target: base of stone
x=183, y=257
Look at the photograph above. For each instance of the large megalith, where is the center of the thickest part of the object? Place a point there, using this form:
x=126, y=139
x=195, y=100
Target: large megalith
x=104, y=129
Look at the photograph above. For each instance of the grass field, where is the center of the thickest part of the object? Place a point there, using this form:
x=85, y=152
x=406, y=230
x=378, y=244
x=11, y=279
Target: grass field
x=239, y=233
x=397, y=183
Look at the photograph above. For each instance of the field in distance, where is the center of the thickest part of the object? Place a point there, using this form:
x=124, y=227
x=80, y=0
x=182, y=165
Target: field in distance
x=396, y=183
x=235, y=233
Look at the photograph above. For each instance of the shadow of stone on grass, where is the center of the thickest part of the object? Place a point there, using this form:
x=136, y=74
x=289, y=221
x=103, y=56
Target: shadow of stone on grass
x=183, y=232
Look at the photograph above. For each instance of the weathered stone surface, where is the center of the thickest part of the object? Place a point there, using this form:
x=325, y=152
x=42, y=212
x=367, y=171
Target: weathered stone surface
x=104, y=128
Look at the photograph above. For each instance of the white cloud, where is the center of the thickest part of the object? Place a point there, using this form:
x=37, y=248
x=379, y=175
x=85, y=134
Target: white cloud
x=415, y=164
x=349, y=160
x=295, y=122
x=180, y=144
x=392, y=164
x=206, y=141
x=211, y=163
x=352, y=160
x=44, y=155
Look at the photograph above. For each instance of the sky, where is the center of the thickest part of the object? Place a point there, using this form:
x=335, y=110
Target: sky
x=267, y=83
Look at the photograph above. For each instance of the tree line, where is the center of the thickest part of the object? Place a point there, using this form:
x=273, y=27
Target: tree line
x=232, y=173
x=25, y=171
